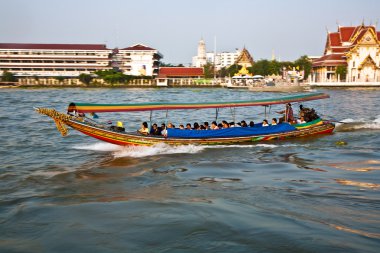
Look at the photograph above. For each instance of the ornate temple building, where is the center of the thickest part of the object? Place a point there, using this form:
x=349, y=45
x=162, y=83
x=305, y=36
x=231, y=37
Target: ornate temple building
x=356, y=50
x=245, y=59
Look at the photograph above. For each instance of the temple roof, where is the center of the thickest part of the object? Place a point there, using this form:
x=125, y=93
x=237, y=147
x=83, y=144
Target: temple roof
x=339, y=43
x=244, y=58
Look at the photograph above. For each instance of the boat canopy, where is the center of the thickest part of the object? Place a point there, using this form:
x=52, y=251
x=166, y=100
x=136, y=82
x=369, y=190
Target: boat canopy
x=88, y=108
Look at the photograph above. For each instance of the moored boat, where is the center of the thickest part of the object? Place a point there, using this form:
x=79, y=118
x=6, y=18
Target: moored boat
x=75, y=119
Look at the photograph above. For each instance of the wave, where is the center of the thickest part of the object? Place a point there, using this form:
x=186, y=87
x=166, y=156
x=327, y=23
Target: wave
x=165, y=149
x=159, y=149
x=100, y=146
x=352, y=125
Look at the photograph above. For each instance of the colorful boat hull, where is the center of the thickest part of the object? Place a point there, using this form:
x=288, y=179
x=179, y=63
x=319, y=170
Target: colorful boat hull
x=126, y=139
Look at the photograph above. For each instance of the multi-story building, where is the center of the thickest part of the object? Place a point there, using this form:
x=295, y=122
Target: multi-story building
x=71, y=60
x=221, y=60
x=356, y=49
x=49, y=60
x=138, y=60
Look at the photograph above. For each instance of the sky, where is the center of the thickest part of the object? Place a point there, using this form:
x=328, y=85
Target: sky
x=290, y=28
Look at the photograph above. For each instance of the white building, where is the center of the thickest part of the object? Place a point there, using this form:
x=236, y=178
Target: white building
x=138, y=60
x=224, y=59
x=49, y=60
x=200, y=59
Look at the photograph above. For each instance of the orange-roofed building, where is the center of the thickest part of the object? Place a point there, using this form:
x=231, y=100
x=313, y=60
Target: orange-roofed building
x=355, y=47
x=178, y=75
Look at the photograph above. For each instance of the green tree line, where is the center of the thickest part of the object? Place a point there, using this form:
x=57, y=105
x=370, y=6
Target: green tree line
x=262, y=67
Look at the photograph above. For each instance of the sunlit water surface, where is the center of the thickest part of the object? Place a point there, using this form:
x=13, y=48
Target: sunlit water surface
x=77, y=194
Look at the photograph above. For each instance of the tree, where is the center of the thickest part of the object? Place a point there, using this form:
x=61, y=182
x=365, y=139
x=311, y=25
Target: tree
x=85, y=78
x=208, y=69
x=341, y=71
x=304, y=64
x=60, y=78
x=8, y=77
x=233, y=69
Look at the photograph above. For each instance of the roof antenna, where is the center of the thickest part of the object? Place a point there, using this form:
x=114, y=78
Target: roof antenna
x=327, y=30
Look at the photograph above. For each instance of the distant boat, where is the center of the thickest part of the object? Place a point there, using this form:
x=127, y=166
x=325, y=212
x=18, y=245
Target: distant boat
x=76, y=119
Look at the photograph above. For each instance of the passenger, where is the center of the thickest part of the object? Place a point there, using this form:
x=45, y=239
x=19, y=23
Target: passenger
x=301, y=120
x=206, y=125
x=243, y=123
x=170, y=125
x=155, y=130
x=288, y=114
x=144, y=128
x=232, y=124
x=163, y=127
x=274, y=122
x=251, y=124
x=225, y=124
x=94, y=115
x=214, y=126
x=188, y=126
x=196, y=126
x=238, y=124
x=181, y=127
x=202, y=127
x=265, y=123
x=220, y=125
x=119, y=127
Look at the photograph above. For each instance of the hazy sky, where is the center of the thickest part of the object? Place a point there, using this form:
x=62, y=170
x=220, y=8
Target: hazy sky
x=289, y=27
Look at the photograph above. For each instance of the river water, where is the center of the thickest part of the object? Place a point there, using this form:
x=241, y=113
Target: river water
x=77, y=194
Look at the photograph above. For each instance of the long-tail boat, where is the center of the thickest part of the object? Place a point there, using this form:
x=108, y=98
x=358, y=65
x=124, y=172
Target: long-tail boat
x=75, y=119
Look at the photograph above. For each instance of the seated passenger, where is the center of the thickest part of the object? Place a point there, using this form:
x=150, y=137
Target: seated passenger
x=232, y=124
x=206, y=125
x=251, y=124
x=170, y=125
x=181, y=127
x=196, y=126
x=243, y=123
x=301, y=120
x=265, y=123
x=119, y=127
x=202, y=127
x=188, y=126
x=225, y=124
x=144, y=129
x=155, y=130
x=220, y=125
x=214, y=126
x=274, y=122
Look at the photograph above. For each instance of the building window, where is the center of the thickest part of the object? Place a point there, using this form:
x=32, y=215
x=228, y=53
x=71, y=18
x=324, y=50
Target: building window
x=353, y=64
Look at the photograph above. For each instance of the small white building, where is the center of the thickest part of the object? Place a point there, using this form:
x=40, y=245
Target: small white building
x=138, y=60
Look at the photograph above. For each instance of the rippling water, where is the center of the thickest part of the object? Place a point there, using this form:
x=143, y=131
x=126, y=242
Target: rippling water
x=76, y=194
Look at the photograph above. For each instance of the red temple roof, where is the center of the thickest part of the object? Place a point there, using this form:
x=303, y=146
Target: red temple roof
x=180, y=72
x=53, y=46
x=346, y=32
x=334, y=39
x=335, y=50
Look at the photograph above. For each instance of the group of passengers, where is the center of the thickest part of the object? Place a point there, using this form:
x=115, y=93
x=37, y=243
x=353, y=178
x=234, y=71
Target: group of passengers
x=162, y=130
